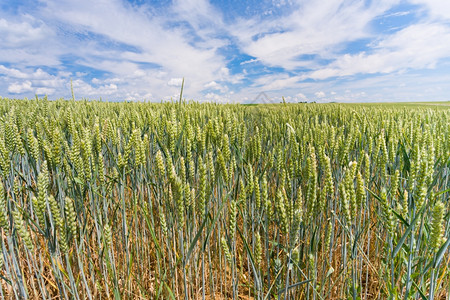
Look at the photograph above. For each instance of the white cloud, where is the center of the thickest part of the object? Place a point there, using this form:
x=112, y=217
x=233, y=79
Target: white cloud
x=200, y=14
x=211, y=85
x=277, y=82
x=301, y=97
x=175, y=82
x=14, y=34
x=213, y=96
x=216, y=86
x=37, y=74
x=13, y=73
x=170, y=48
x=249, y=61
x=83, y=88
x=28, y=41
x=315, y=27
x=418, y=46
x=44, y=91
x=19, y=88
x=320, y=94
x=437, y=8
x=132, y=96
x=64, y=74
x=31, y=80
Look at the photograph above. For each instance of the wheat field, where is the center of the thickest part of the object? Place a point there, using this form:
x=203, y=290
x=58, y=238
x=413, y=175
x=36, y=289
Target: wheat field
x=185, y=200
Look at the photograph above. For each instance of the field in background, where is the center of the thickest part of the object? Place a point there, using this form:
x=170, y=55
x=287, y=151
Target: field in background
x=191, y=201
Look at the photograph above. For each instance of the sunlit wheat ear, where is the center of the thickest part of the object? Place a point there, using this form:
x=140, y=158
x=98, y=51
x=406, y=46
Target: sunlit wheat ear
x=384, y=153
x=55, y=211
x=140, y=152
x=386, y=210
x=107, y=235
x=97, y=137
x=70, y=213
x=160, y=163
x=21, y=229
x=360, y=192
x=226, y=250
x=258, y=249
x=41, y=203
x=4, y=157
x=327, y=240
x=11, y=136
x=64, y=247
x=33, y=144
x=162, y=222
x=171, y=172
x=226, y=147
x=202, y=187
x=329, y=176
x=187, y=196
x=249, y=180
x=281, y=211
x=222, y=165
x=437, y=226
x=178, y=194
x=210, y=166
x=101, y=168
x=47, y=151
x=265, y=198
x=182, y=170
x=394, y=184
x=421, y=197
x=345, y=203
x=405, y=204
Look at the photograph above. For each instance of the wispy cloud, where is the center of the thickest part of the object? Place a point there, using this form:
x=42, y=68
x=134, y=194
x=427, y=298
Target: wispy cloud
x=315, y=27
x=416, y=47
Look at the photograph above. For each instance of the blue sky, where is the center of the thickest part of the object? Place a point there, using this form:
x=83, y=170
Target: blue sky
x=227, y=51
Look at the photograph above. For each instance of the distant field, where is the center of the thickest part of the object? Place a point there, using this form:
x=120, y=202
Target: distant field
x=444, y=105
x=208, y=201
x=408, y=104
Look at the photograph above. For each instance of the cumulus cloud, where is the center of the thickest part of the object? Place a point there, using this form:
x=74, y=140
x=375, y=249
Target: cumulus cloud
x=32, y=80
x=19, y=88
x=175, y=82
x=320, y=94
x=85, y=88
x=216, y=86
x=301, y=97
x=13, y=73
x=211, y=84
x=44, y=91
x=21, y=33
x=28, y=41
